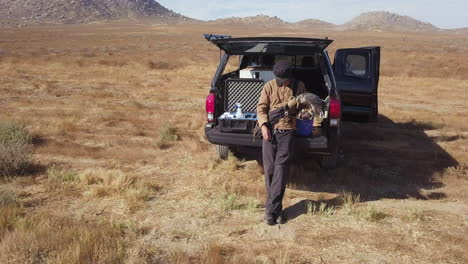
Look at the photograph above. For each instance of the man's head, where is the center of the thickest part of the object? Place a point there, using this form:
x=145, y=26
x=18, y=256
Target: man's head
x=282, y=71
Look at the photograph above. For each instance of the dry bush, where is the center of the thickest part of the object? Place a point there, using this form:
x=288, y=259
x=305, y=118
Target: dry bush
x=134, y=190
x=227, y=177
x=457, y=173
x=319, y=208
x=161, y=65
x=236, y=184
x=140, y=193
x=231, y=202
x=106, y=182
x=56, y=175
x=415, y=215
x=46, y=239
x=112, y=63
x=15, y=148
x=232, y=164
x=10, y=212
x=348, y=200
x=167, y=134
x=214, y=254
x=369, y=213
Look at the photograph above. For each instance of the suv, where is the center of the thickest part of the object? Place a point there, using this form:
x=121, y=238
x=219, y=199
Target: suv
x=347, y=87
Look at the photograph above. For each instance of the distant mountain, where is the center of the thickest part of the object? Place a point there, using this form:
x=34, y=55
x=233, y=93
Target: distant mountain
x=263, y=21
x=388, y=22
x=25, y=12
x=82, y=11
x=314, y=24
x=370, y=21
x=258, y=21
x=459, y=30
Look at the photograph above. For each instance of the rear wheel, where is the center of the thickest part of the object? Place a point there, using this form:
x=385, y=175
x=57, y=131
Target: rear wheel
x=223, y=151
x=329, y=162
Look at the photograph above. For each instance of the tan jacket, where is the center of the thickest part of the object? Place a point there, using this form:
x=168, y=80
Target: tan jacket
x=274, y=97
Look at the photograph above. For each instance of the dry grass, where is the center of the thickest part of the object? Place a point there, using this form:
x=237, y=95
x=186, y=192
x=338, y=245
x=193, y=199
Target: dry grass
x=15, y=148
x=369, y=213
x=100, y=104
x=167, y=135
x=55, y=240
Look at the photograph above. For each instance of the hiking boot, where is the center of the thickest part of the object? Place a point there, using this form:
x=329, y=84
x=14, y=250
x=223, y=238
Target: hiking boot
x=270, y=219
x=282, y=218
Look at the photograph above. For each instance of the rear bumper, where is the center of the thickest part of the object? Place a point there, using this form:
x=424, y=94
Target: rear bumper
x=315, y=145
x=357, y=110
x=215, y=136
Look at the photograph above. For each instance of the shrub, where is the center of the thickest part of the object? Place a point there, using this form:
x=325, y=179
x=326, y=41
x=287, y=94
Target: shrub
x=10, y=212
x=348, y=200
x=321, y=208
x=15, y=148
x=160, y=65
x=167, y=134
x=369, y=213
x=60, y=175
x=231, y=202
x=50, y=239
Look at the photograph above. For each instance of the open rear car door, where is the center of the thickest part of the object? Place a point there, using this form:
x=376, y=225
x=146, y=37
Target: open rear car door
x=357, y=79
x=268, y=45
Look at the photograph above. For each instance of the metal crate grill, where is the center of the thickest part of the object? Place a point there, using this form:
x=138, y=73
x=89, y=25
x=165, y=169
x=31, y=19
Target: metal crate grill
x=244, y=91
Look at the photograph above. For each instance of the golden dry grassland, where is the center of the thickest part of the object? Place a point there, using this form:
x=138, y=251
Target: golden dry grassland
x=122, y=173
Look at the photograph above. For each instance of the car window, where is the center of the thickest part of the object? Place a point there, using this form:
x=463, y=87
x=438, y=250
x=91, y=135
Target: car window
x=267, y=61
x=232, y=64
x=291, y=59
x=307, y=61
x=356, y=65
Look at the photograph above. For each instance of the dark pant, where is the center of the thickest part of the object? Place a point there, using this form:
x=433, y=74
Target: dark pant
x=276, y=158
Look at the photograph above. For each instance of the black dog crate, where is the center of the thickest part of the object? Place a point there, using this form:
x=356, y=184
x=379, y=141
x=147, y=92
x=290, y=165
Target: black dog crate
x=246, y=92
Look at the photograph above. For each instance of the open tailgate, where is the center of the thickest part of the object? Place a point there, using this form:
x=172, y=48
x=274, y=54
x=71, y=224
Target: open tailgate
x=269, y=45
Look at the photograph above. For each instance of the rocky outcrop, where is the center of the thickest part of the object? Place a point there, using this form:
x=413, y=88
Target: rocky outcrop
x=15, y=12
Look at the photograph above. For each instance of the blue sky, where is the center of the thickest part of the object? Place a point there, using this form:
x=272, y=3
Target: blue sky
x=441, y=13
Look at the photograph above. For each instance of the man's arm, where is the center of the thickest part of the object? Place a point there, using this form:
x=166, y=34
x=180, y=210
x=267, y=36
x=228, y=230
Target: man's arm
x=263, y=106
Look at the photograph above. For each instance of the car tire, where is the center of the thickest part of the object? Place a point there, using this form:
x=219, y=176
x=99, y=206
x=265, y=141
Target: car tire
x=223, y=151
x=330, y=161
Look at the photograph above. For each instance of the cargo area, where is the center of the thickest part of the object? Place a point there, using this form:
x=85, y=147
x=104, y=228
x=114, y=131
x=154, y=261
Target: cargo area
x=241, y=84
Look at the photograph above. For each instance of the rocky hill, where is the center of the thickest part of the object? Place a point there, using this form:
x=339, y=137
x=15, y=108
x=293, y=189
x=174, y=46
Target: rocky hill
x=387, y=21
x=264, y=21
x=459, y=30
x=257, y=21
x=314, y=24
x=371, y=21
x=17, y=12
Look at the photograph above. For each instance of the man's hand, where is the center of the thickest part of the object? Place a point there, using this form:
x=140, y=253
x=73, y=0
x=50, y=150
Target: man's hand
x=292, y=102
x=266, y=133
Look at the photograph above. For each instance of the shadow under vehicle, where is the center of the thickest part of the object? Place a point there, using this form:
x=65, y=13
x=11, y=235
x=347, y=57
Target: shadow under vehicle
x=380, y=160
x=347, y=87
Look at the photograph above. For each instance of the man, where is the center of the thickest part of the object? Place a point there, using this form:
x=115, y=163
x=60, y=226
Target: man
x=278, y=140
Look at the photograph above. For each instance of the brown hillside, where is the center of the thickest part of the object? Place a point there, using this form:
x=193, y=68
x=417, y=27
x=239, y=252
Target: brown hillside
x=387, y=21
x=314, y=24
x=257, y=21
x=82, y=11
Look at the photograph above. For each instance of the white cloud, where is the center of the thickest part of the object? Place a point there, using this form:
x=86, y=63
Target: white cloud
x=445, y=14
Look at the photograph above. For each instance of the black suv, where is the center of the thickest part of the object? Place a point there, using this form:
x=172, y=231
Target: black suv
x=347, y=87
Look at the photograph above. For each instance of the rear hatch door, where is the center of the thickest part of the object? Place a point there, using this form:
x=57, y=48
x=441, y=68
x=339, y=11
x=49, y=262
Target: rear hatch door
x=269, y=45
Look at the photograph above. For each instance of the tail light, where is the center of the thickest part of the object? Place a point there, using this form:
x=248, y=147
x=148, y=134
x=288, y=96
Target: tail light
x=210, y=107
x=335, y=108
